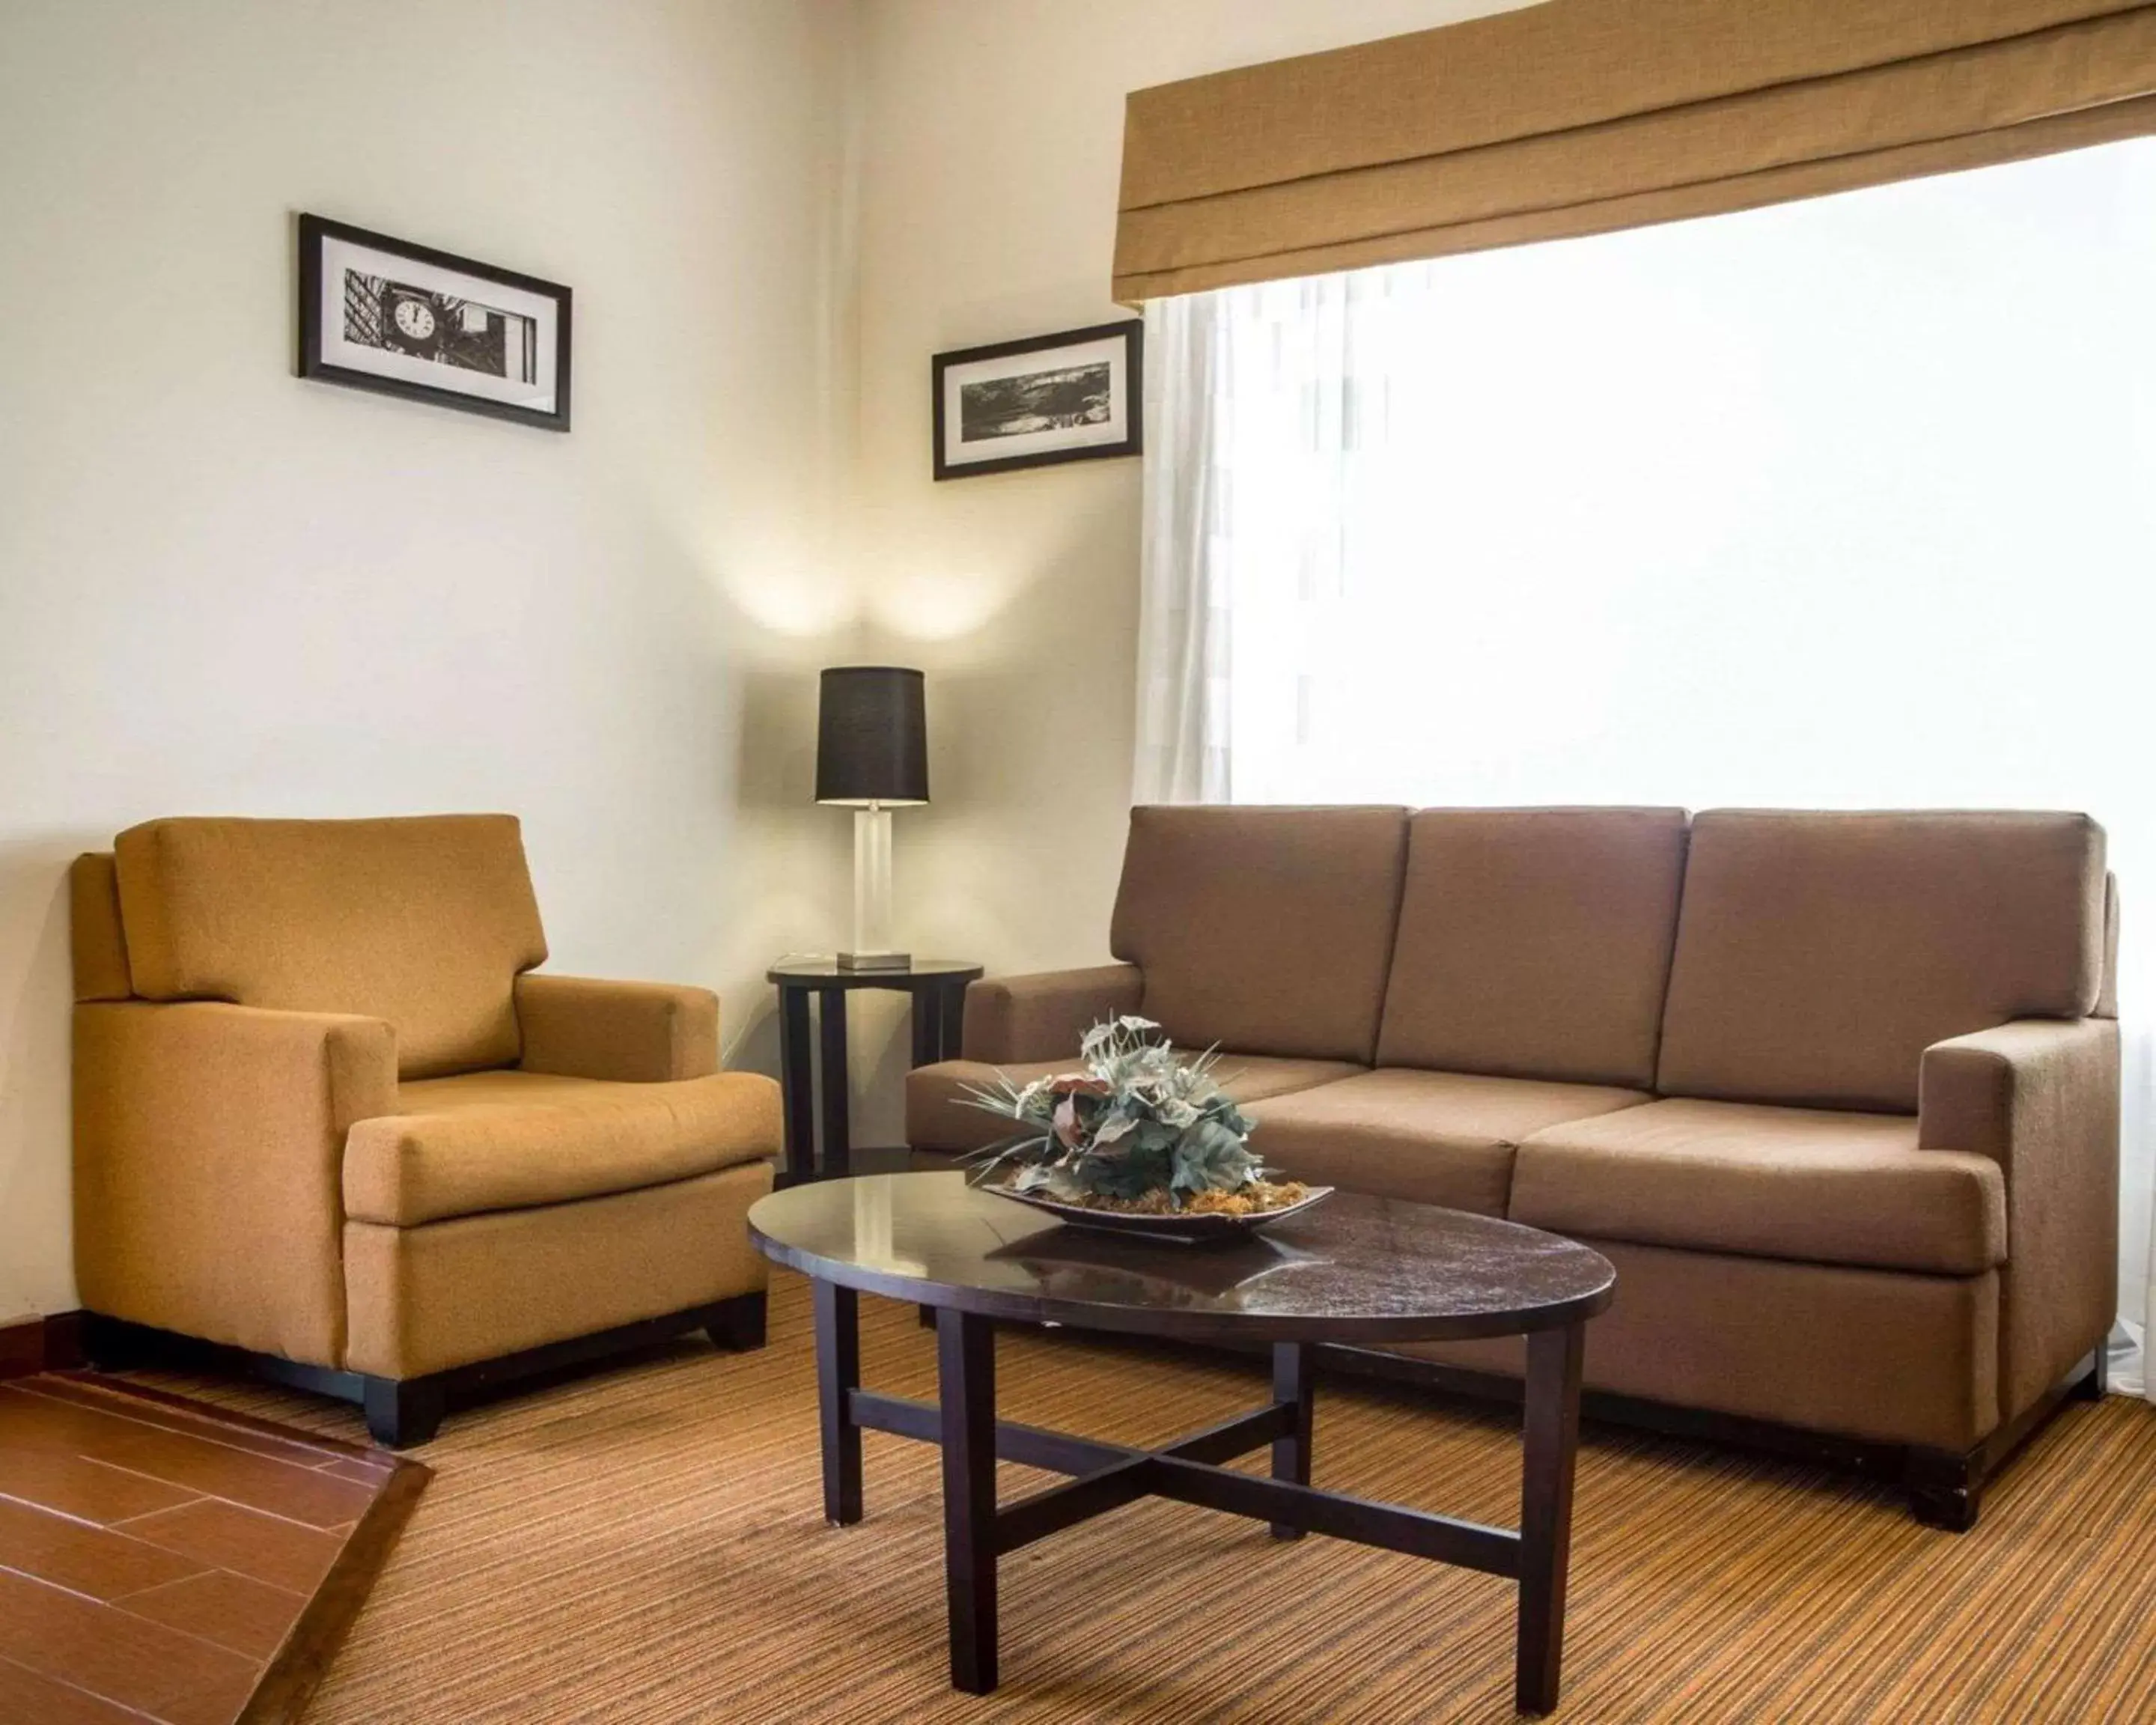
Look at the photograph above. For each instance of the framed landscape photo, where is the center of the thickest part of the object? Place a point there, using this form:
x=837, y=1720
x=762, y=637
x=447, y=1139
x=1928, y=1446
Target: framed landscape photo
x=1076, y=397
x=385, y=314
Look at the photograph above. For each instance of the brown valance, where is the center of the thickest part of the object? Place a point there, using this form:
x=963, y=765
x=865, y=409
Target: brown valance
x=1581, y=116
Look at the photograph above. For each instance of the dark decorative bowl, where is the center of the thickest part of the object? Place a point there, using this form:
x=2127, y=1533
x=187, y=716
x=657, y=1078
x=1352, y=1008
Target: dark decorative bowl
x=1184, y=1229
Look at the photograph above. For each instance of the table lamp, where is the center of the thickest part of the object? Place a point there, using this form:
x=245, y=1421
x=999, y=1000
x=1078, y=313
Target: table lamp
x=871, y=757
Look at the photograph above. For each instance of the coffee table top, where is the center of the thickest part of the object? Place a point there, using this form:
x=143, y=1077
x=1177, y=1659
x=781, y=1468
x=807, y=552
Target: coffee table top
x=1354, y=1270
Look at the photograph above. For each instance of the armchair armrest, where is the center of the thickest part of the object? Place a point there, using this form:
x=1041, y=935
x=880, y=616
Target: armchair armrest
x=633, y=1032
x=2040, y=1096
x=1041, y=1016
x=208, y=1167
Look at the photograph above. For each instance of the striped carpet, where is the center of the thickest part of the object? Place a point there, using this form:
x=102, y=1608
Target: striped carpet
x=645, y=1547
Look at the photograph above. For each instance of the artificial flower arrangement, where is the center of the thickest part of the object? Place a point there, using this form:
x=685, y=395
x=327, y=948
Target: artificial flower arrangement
x=1139, y=1130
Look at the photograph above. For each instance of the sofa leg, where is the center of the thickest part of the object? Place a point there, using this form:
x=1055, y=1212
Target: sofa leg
x=1952, y=1509
x=401, y=1412
x=2095, y=1383
x=1946, y=1490
x=739, y=1325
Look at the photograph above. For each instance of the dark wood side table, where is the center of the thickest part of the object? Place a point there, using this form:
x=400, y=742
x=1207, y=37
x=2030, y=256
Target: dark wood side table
x=937, y=988
x=1356, y=1270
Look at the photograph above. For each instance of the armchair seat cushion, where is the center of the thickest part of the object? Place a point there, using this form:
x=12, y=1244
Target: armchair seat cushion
x=938, y=1116
x=1801, y=1183
x=1431, y=1137
x=512, y=1140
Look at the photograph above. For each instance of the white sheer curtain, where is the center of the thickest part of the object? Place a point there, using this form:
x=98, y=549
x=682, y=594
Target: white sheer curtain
x=1844, y=503
x=1183, y=621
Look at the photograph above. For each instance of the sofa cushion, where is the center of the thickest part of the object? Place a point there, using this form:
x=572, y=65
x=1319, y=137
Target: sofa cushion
x=501, y=1141
x=1819, y=955
x=1535, y=942
x=1435, y=1137
x=938, y=1116
x=423, y=922
x=1766, y=1182
x=1263, y=930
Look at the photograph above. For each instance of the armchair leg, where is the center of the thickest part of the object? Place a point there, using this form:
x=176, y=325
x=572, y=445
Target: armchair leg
x=110, y=1344
x=738, y=1327
x=401, y=1412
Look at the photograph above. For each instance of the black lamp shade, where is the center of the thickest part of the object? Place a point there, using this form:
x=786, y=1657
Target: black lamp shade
x=871, y=736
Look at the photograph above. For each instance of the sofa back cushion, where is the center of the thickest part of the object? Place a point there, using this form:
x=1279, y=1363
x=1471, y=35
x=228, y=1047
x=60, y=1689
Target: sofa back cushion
x=1263, y=930
x=1535, y=942
x=425, y=921
x=1819, y=955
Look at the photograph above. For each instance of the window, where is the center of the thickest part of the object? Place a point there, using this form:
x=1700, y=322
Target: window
x=1850, y=502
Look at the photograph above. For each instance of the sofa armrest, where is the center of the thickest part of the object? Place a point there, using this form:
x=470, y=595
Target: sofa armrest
x=1041, y=1016
x=209, y=1165
x=633, y=1032
x=2040, y=1096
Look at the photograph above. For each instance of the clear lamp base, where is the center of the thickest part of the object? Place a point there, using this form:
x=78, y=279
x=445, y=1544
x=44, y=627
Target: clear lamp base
x=872, y=895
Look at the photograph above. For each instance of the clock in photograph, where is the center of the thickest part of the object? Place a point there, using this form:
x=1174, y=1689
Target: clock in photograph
x=412, y=322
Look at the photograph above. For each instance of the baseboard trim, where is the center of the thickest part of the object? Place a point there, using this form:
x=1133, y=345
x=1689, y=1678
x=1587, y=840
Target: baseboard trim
x=53, y=1343
x=406, y=1411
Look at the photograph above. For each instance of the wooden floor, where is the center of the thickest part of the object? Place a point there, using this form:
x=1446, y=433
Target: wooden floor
x=156, y=1561
x=645, y=1547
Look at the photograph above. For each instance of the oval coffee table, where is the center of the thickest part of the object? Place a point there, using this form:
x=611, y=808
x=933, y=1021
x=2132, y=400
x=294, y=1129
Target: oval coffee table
x=1356, y=1269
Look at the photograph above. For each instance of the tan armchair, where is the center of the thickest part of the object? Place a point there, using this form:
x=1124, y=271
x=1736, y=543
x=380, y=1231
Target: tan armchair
x=329, y=1126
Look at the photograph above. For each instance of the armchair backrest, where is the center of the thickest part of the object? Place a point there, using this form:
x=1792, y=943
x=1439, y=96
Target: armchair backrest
x=424, y=921
x=1818, y=955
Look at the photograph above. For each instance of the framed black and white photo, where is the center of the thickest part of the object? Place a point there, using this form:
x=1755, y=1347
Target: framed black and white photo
x=1076, y=397
x=382, y=314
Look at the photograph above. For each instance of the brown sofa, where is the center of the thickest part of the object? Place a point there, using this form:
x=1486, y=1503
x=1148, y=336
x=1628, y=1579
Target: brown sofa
x=328, y=1121
x=1837, y=1093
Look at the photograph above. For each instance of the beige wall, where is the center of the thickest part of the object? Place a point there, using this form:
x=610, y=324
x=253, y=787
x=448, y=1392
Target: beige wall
x=993, y=137
x=223, y=589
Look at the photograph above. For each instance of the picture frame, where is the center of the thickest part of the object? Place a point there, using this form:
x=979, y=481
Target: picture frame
x=1075, y=396
x=381, y=313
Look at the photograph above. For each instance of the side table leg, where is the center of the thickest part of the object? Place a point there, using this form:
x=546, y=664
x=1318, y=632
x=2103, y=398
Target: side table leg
x=1552, y=1449
x=1292, y=1386
x=952, y=1022
x=965, y=1368
x=838, y=1129
x=928, y=1011
x=838, y=1375
x=796, y=1083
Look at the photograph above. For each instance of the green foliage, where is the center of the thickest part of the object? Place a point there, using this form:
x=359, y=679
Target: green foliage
x=1137, y=1120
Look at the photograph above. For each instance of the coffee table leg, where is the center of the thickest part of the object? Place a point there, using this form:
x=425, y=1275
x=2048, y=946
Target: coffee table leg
x=1292, y=1386
x=1552, y=1448
x=965, y=1368
x=838, y=1375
